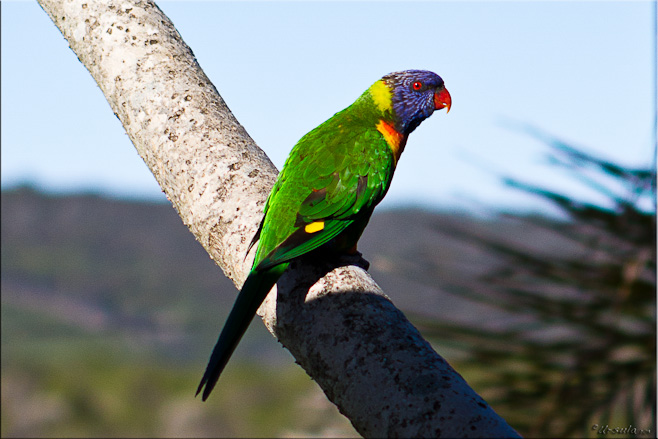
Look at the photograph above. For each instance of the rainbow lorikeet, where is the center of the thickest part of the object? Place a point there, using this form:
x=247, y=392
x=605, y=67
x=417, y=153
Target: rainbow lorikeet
x=328, y=188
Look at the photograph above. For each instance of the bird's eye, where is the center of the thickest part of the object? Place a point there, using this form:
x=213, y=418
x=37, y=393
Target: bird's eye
x=417, y=85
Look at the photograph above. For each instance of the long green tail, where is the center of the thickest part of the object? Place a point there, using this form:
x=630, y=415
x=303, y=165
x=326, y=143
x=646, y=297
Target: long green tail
x=253, y=292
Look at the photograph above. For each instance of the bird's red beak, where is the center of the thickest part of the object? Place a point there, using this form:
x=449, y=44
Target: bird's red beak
x=442, y=100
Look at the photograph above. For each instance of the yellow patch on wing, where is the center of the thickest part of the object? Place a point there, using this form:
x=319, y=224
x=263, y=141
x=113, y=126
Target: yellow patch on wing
x=392, y=137
x=314, y=227
x=381, y=94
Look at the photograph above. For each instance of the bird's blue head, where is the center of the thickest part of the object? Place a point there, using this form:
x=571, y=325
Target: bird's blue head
x=412, y=95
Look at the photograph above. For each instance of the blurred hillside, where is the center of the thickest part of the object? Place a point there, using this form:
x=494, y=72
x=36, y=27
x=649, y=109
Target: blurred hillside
x=109, y=312
x=110, y=309
x=133, y=271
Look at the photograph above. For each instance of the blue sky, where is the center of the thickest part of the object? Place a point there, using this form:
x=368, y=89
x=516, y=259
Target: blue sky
x=579, y=70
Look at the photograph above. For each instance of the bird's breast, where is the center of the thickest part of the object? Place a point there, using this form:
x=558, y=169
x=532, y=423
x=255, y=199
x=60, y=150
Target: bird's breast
x=394, y=139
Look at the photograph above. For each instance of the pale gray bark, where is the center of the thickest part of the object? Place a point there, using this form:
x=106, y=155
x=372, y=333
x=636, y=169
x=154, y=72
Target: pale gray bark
x=347, y=335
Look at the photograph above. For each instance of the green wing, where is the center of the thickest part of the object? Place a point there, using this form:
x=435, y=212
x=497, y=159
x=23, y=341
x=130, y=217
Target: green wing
x=334, y=177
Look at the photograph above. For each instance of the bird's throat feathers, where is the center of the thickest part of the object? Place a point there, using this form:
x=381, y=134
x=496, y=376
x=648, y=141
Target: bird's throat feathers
x=395, y=140
x=382, y=97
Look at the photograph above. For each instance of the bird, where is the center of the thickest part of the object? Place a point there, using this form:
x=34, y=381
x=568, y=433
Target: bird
x=326, y=192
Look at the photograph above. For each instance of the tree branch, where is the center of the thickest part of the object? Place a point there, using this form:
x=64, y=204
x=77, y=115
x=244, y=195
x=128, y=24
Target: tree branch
x=369, y=360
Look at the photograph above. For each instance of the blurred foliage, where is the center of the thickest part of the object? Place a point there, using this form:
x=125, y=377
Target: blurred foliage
x=577, y=348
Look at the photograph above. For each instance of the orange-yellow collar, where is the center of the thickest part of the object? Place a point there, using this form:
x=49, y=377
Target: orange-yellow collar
x=395, y=140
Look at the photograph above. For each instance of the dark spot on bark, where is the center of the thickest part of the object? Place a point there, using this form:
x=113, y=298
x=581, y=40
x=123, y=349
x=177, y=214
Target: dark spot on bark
x=234, y=166
x=221, y=193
